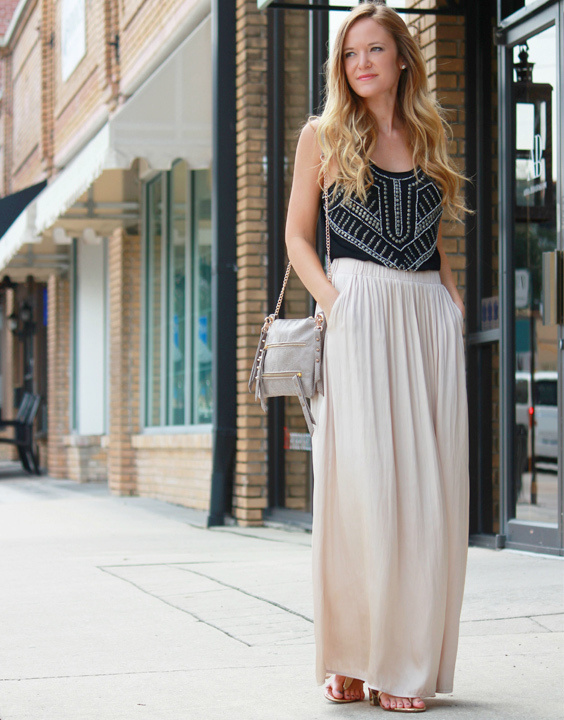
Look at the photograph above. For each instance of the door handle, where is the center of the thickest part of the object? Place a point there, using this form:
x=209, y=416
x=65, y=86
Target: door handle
x=552, y=287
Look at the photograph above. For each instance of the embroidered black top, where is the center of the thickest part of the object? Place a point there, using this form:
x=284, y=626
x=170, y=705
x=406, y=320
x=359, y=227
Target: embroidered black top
x=398, y=225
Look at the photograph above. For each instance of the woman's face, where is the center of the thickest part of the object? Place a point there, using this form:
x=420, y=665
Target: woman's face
x=371, y=60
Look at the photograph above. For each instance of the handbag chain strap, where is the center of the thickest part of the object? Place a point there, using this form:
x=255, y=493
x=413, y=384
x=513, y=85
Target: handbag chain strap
x=328, y=246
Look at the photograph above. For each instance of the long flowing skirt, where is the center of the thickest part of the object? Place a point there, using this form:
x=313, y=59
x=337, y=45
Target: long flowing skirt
x=390, y=499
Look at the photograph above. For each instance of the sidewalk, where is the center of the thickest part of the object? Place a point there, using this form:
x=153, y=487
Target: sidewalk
x=116, y=608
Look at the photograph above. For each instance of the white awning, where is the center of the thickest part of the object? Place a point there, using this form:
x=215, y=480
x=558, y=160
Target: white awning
x=75, y=180
x=20, y=232
x=168, y=118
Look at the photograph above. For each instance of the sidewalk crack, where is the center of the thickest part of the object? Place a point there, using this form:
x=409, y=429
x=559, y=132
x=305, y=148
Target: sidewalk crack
x=249, y=594
x=176, y=607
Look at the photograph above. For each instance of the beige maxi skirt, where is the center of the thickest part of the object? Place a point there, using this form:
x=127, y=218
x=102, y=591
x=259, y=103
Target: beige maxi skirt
x=391, y=482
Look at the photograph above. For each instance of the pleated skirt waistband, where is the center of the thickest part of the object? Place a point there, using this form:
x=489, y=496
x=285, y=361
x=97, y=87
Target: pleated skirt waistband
x=351, y=266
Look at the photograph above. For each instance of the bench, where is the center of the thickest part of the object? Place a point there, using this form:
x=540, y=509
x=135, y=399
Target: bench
x=23, y=432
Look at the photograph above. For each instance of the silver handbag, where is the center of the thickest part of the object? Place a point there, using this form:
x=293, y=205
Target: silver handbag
x=289, y=357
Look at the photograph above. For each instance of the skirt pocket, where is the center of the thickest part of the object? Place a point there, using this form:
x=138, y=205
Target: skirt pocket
x=338, y=303
x=451, y=301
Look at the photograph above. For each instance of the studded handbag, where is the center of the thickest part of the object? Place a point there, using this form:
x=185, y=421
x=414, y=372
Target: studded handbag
x=289, y=357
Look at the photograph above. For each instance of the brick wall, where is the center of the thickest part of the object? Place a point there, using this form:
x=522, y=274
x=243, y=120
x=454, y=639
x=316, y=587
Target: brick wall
x=174, y=467
x=125, y=321
x=87, y=457
x=79, y=100
x=58, y=364
x=441, y=39
x=297, y=299
x=7, y=8
x=47, y=85
x=144, y=25
x=249, y=492
x=6, y=108
x=26, y=90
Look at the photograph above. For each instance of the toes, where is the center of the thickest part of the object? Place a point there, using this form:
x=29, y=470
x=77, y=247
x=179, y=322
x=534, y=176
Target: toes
x=385, y=701
x=336, y=686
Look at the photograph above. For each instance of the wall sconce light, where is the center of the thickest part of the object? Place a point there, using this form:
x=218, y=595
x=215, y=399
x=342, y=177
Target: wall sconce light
x=13, y=322
x=26, y=319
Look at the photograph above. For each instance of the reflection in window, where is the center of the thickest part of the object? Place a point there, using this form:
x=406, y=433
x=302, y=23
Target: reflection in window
x=177, y=296
x=201, y=313
x=178, y=308
x=545, y=391
x=154, y=300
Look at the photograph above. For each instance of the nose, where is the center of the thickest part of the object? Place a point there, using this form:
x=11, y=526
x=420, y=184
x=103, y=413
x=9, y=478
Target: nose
x=364, y=60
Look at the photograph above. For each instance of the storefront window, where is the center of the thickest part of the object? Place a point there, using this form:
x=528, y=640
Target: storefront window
x=177, y=297
x=201, y=313
x=178, y=307
x=154, y=300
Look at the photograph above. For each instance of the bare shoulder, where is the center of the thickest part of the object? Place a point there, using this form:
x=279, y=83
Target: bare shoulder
x=308, y=138
x=312, y=150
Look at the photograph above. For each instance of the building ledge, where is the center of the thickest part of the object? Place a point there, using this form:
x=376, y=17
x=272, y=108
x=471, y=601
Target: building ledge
x=191, y=441
x=85, y=441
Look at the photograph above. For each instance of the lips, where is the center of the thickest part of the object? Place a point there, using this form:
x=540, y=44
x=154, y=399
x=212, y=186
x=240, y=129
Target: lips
x=366, y=77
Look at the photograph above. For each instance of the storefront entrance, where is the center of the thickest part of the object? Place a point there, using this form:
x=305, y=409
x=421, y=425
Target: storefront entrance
x=532, y=259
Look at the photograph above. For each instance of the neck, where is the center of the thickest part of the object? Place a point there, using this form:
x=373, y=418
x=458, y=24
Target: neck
x=383, y=108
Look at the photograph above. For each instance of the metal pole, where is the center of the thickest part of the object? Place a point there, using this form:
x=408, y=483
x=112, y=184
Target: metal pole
x=276, y=262
x=224, y=243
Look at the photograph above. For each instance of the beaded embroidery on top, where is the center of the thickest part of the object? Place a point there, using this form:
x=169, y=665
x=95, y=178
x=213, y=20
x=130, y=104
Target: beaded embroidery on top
x=399, y=224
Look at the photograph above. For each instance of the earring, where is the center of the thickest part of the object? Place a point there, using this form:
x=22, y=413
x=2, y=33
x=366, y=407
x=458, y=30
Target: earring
x=403, y=67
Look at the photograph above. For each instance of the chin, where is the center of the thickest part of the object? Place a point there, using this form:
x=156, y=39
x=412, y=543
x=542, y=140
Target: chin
x=364, y=92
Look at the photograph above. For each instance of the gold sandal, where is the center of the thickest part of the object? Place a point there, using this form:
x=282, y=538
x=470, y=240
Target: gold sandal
x=374, y=696
x=346, y=685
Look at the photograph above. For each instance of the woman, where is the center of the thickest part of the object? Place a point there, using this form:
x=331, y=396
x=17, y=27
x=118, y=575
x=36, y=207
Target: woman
x=390, y=452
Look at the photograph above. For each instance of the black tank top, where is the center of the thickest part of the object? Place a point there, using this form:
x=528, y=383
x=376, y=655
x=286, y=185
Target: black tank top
x=398, y=225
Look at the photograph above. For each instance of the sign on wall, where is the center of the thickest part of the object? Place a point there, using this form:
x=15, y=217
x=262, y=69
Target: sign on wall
x=73, y=35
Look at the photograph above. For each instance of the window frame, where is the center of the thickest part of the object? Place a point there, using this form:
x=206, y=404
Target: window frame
x=165, y=426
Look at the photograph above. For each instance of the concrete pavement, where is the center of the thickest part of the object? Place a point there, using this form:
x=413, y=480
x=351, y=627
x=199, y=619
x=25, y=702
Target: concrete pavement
x=119, y=608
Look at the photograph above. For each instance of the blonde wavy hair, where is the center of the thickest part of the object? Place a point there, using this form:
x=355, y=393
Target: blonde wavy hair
x=347, y=131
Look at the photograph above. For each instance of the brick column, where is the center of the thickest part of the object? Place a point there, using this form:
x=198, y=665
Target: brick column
x=250, y=492
x=47, y=84
x=8, y=124
x=111, y=21
x=441, y=39
x=58, y=374
x=125, y=320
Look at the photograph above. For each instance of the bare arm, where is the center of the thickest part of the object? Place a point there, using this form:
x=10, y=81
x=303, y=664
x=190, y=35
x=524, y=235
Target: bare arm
x=447, y=277
x=301, y=222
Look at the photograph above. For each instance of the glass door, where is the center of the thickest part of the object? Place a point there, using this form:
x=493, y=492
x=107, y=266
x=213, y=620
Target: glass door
x=531, y=206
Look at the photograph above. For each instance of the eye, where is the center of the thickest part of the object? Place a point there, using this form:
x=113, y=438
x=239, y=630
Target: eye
x=377, y=47
x=349, y=53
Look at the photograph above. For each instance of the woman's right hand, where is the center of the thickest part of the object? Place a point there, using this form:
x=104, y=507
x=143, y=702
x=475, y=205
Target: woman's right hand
x=327, y=304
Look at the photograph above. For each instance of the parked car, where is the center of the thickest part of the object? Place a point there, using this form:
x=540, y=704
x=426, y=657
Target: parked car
x=543, y=412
